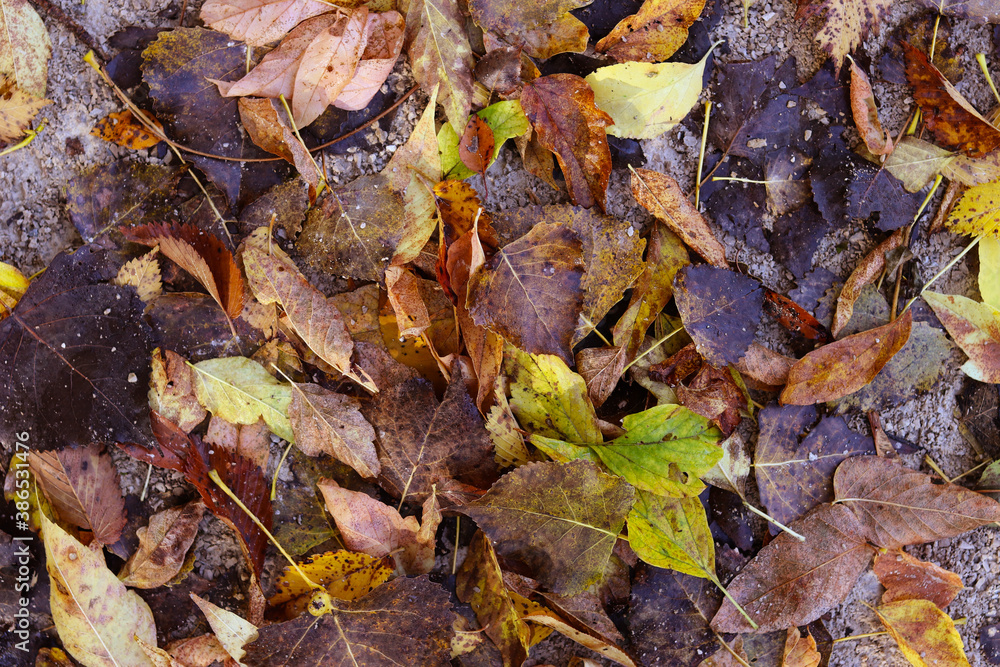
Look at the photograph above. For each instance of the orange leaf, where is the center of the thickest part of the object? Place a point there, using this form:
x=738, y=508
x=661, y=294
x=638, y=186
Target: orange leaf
x=476, y=145
x=866, y=113
x=123, y=129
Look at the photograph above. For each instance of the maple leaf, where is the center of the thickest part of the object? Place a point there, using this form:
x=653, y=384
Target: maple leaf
x=259, y=22
x=845, y=23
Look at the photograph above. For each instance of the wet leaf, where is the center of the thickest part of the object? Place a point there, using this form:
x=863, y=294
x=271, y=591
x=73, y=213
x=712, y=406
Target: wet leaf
x=240, y=391
x=505, y=435
x=562, y=111
x=720, y=310
x=122, y=128
x=440, y=55
x=925, y=634
x=267, y=124
x=356, y=229
x=171, y=391
x=845, y=23
x=95, y=615
x=907, y=578
x=794, y=473
x=345, y=575
x=142, y=273
x=794, y=317
x=800, y=651
x=476, y=145
x=325, y=422
x=530, y=292
x=915, y=162
x=423, y=442
x=373, y=528
x=897, y=506
x=845, y=366
x=72, y=357
x=201, y=254
x=259, y=22
x=954, y=122
x=82, y=485
x=542, y=28
x=654, y=33
x=644, y=100
x=562, y=531
x=25, y=48
x=380, y=629
x=866, y=113
x=163, y=546
x=874, y=190
x=672, y=533
x=790, y=583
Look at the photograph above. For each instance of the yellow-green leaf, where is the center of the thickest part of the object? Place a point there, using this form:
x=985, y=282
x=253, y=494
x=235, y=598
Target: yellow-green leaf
x=978, y=212
x=989, y=270
x=645, y=100
x=925, y=634
x=672, y=533
x=562, y=451
x=240, y=391
x=975, y=327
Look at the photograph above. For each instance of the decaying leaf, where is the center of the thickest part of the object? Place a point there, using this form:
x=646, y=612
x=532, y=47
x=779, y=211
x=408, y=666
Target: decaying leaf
x=905, y=577
x=563, y=113
x=897, y=506
x=654, y=33
x=343, y=574
x=171, y=390
x=925, y=634
x=240, y=391
x=267, y=124
x=720, y=310
x=672, y=533
x=24, y=47
x=562, y=532
x=17, y=108
x=800, y=651
x=441, y=56
x=142, y=273
x=123, y=129
x=325, y=422
x=845, y=23
x=866, y=113
x=95, y=615
x=259, y=22
x=977, y=212
x=790, y=583
x=163, y=545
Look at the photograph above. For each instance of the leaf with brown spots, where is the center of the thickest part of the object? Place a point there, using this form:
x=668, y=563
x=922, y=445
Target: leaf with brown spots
x=654, y=33
x=345, y=575
x=845, y=23
x=82, y=485
x=325, y=422
x=25, y=48
x=163, y=545
x=905, y=577
x=171, y=390
x=562, y=112
x=17, y=110
x=954, y=122
x=925, y=634
x=121, y=128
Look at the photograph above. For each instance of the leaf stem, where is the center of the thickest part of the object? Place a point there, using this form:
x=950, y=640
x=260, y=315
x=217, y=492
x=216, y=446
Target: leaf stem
x=906, y=242
x=232, y=496
x=274, y=479
x=739, y=608
x=777, y=523
x=981, y=59
x=454, y=555
x=940, y=273
x=704, y=142
x=29, y=136
x=652, y=347
x=295, y=129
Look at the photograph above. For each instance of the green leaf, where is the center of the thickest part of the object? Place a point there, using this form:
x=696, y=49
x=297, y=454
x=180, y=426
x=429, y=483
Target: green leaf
x=672, y=533
x=665, y=450
x=549, y=399
x=506, y=119
x=240, y=391
x=563, y=452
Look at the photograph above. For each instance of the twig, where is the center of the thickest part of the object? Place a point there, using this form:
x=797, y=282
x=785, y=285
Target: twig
x=56, y=12
x=701, y=153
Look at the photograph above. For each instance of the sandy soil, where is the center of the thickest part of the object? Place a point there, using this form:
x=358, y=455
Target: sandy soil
x=34, y=227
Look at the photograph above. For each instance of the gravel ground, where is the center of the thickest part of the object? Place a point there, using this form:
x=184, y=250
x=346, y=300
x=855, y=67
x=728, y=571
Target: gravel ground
x=34, y=227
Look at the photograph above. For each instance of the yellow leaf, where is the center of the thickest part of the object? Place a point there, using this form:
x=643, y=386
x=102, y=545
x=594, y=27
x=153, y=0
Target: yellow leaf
x=142, y=273
x=507, y=440
x=975, y=327
x=345, y=575
x=17, y=109
x=240, y=391
x=654, y=33
x=978, y=212
x=989, y=270
x=925, y=634
x=13, y=285
x=24, y=46
x=233, y=632
x=646, y=100
x=95, y=615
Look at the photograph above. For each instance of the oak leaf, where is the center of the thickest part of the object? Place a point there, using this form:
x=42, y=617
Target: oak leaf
x=924, y=633
x=654, y=33
x=562, y=531
x=897, y=506
x=905, y=577
x=259, y=22
x=17, y=109
x=325, y=422
x=563, y=113
x=163, y=546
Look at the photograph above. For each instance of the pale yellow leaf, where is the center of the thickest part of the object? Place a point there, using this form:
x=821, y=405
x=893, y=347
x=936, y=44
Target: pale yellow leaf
x=142, y=273
x=233, y=632
x=989, y=270
x=259, y=22
x=17, y=109
x=240, y=391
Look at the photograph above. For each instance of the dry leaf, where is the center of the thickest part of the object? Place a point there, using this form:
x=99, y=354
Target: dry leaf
x=17, y=108
x=654, y=33
x=720, y=310
x=907, y=578
x=403, y=289
x=441, y=56
x=385, y=41
x=24, y=47
x=328, y=423
x=845, y=23
x=171, y=390
x=876, y=139
x=163, y=545
x=233, y=632
x=267, y=124
x=122, y=128
x=800, y=651
x=259, y=22
x=142, y=273
x=866, y=273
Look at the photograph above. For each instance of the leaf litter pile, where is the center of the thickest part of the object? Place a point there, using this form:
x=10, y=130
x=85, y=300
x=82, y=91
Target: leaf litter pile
x=441, y=431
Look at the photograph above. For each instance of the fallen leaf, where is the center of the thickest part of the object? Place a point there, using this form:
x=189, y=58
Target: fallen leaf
x=583, y=635
x=240, y=391
x=915, y=162
x=343, y=574
x=82, y=485
x=845, y=366
x=122, y=128
x=975, y=328
x=476, y=145
x=373, y=528
x=25, y=48
x=562, y=531
x=954, y=122
x=979, y=10
x=800, y=651
x=845, y=23
x=297, y=498
x=786, y=180
x=423, y=442
x=562, y=111
x=440, y=55
x=259, y=22
x=499, y=70
x=794, y=317
x=795, y=473
x=251, y=441
x=977, y=212
x=378, y=629
x=897, y=506
x=385, y=41
x=715, y=395
x=542, y=28
x=163, y=546
x=17, y=108
x=720, y=309
x=765, y=366
x=654, y=33
x=95, y=615
x=508, y=443
x=171, y=390
x=267, y=124
x=672, y=533
x=644, y=100
x=866, y=273
x=866, y=113
x=791, y=582
x=142, y=273
x=874, y=190
x=534, y=309
x=232, y=631
x=355, y=230
x=325, y=422
x=199, y=253
x=907, y=578
x=402, y=287
x=924, y=633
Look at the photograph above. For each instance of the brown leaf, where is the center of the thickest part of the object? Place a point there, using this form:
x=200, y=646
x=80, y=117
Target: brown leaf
x=954, y=122
x=374, y=528
x=562, y=112
x=714, y=394
x=866, y=273
x=897, y=506
x=163, y=545
x=171, y=390
x=768, y=368
x=660, y=195
x=654, y=33
x=475, y=148
x=385, y=41
x=267, y=124
x=845, y=366
x=403, y=290
x=794, y=317
x=251, y=441
x=800, y=651
x=259, y=22
x=199, y=253
x=876, y=139
x=530, y=292
x=907, y=578
x=601, y=367
x=423, y=442
x=82, y=485
x=328, y=423
x=440, y=55
x=792, y=582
